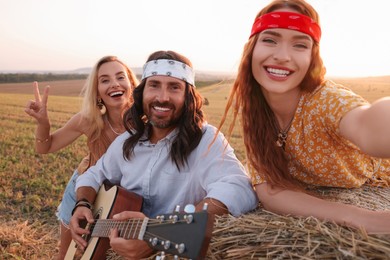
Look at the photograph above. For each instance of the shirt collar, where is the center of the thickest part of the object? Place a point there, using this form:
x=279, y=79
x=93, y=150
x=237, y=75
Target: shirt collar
x=170, y=137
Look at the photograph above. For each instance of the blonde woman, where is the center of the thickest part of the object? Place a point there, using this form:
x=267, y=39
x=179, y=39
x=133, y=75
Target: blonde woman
x=107, y=94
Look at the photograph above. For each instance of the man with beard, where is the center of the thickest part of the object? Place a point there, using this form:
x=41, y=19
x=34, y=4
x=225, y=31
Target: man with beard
x=169, y=155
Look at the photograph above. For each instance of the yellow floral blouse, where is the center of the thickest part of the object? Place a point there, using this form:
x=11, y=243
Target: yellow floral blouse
x=318, y=154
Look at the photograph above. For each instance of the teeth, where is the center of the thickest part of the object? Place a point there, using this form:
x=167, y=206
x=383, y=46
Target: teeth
x=162, y=108
x=278, y=72
x=116, y=93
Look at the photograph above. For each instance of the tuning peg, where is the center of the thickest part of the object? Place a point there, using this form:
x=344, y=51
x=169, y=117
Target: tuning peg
x=177, y=209
x=161, y=257
x=153, y=241
x=180, y=248
x=166, y=244
x=189, y=208
x=174, y=218
x=161, y=218
x=189, y=218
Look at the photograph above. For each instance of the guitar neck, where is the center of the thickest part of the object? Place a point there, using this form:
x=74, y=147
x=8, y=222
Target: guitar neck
x=128, y=229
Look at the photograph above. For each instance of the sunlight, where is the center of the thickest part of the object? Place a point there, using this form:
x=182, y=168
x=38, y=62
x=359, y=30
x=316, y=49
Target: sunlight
x=67, y=35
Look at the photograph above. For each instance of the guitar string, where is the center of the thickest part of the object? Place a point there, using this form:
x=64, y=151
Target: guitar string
x=103, y=223
x=117, y=225
x=152, y=222
x=155, y=221
x=147, y=234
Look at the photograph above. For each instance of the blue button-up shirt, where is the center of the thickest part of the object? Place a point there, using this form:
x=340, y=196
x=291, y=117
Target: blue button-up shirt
x=213, y=172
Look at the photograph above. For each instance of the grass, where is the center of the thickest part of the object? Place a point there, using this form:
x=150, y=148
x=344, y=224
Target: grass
x=31, y=185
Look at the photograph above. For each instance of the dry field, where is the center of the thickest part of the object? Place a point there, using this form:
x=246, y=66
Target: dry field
x=57, y=88
x=370, y=88
x=31, y=185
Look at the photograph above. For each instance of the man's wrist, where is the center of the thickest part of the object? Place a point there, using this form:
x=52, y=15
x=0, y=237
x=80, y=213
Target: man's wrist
x=82, y=203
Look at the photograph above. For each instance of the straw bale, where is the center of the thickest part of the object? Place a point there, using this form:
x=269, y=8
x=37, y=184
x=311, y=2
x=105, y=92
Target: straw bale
x=264, y=235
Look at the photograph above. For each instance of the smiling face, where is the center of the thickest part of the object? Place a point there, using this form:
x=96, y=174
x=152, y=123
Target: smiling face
x=281, y=59
x=163, y=101
x=114, y=86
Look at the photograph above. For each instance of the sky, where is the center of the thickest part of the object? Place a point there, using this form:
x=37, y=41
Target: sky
x=71, y=34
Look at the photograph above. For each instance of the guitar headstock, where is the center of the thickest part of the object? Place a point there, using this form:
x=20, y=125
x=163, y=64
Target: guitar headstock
x=182, y=234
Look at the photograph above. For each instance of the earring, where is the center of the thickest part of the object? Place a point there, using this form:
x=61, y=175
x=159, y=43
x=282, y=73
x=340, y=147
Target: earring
x=101, y=106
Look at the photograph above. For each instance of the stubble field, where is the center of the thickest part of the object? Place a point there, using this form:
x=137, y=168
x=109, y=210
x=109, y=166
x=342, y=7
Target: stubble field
x=31, y=185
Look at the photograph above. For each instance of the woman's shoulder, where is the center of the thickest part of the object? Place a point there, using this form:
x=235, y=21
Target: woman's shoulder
x=331, y=90
x=86, y=123
x=327, y=85
x=78, y=123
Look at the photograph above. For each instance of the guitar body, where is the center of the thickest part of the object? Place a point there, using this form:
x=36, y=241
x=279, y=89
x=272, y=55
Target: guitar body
x=182, y=234
x=110, y=200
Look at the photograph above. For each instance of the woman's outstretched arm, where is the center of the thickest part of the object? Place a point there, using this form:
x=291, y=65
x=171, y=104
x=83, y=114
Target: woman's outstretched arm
x=368, y=127
x=288, y=202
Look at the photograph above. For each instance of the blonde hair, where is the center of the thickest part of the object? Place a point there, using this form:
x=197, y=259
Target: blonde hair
x=90, y=112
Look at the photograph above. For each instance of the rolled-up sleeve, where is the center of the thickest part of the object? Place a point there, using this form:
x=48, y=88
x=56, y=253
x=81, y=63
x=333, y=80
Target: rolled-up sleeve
x=93, y=177
x=225, y=178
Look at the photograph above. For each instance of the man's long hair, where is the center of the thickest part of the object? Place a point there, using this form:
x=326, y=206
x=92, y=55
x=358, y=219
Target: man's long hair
x=189, y=124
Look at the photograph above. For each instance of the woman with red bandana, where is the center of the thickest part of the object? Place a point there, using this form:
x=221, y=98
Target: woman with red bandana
x=301, y=130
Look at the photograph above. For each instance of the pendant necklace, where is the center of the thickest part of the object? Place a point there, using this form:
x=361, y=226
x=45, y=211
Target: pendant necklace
x=109, y=124
x=282, y=134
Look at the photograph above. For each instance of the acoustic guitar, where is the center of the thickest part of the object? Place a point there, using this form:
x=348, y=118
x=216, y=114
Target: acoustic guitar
x=185, y=235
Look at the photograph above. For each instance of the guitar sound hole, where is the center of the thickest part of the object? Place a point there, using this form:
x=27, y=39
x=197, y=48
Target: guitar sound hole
x=84, y=224
x=97, y=216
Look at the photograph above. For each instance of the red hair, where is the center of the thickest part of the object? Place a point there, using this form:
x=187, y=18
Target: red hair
x=247, y=101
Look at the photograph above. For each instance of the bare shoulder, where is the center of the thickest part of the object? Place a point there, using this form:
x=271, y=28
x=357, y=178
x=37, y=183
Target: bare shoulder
x=78, y=123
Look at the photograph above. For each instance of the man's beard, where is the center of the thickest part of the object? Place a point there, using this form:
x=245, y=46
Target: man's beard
x=164, y=123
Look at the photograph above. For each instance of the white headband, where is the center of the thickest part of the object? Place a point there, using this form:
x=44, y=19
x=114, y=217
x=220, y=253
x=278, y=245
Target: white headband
x=170, y=68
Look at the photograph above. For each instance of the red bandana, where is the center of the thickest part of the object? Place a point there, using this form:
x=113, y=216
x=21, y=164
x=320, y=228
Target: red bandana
x=287, y=20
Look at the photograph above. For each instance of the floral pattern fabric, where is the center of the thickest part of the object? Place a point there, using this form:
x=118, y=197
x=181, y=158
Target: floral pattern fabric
x=318, y=154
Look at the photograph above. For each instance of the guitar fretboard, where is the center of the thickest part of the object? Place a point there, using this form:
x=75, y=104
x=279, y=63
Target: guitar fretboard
x=129, y=229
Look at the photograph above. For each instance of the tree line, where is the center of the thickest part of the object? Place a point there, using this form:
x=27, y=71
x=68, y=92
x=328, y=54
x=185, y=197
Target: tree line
x=29, y=77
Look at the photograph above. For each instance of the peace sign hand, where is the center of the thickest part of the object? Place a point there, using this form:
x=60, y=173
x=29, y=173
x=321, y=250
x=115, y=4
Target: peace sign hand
x=38, y=108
